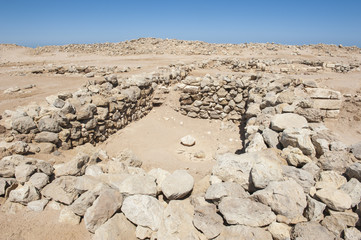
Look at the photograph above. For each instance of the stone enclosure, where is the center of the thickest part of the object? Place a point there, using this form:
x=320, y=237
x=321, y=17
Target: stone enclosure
x=293, y=179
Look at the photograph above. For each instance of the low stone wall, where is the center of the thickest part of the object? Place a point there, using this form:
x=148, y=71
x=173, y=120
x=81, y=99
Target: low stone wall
x=89, y=115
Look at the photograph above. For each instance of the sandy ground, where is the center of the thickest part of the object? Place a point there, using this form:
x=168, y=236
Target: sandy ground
x=155, y=139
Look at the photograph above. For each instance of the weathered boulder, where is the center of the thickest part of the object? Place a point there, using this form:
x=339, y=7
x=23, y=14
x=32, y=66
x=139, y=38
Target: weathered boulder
x=207, y=220
x=177, y=222
x=39, y=180
x=62, y=190
x=217, y=191
x=270, y=138
x=68, y=217
x=353, y=189
x=330, y=179
x=352, y=234
x=279, y=231
x=38, y=205
x=177, y=185
x=246, y=212
x=240, y=232
x=23, y=124
x=295, y=157
x=354, y=171
x=47, y=137
x=280, y=122
x=143, y=210
x=286, y=198
x=24, y=194
x=356, y=150
x=311, y=231
x=138, y=184
x=314, y=210
x=256, y=144
x=85, y=201
x=117, y=227
x=23, y=172
x=335, y=199
x=335, y=160
x=263, y=173
x=75, y=167
x=337, y=222
x=237, y=168
x=299, y=138
x=108, y=202
x=302, y=177
x=49, y=125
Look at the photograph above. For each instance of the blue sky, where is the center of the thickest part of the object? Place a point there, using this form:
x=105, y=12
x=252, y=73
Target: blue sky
x=36, y=23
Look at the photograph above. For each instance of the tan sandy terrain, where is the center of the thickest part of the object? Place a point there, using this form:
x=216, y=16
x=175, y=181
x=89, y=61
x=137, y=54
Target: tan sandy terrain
x=155, y=139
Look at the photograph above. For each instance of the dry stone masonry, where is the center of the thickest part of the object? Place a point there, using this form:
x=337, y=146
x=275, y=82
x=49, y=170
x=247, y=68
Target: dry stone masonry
x=293, y=180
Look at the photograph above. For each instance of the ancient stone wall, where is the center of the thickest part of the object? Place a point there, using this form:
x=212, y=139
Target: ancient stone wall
x=89, y=115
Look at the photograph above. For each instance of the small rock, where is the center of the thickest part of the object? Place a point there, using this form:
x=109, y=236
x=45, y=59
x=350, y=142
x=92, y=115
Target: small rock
x=188, y=141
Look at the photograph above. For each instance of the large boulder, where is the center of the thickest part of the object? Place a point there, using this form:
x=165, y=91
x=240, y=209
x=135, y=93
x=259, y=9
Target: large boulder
x=143, y=210
x=39, y=180
x=23, y=124
x=311, y=231
x=246, y=212
x=299, y=138
x=62, y=190
x=217, y=191
x=240, y=232
x=237, y=168
x=335, y=199
x=108, y=202
x=302, y=177
x=286, y=198
x=280, y=122
x=353, y=189
x=177, y=185
x=47, y=137
x=354, y=171
x=177, y=222
x=23, y=172
x=264, y=172
x=139, y=184
x=24, y=194
x=207, y=220
x=49, y=125
x=117, y=227
x=75, y=167
x=85, y=201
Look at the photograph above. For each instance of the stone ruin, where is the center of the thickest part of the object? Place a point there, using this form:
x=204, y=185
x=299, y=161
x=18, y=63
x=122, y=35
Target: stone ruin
x=293, y=178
